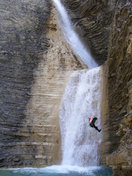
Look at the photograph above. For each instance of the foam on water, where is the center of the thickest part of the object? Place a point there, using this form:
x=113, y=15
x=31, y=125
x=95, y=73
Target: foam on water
x=69, y=168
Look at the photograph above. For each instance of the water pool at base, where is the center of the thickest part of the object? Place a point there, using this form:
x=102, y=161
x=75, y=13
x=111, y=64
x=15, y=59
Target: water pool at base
x=58, y=171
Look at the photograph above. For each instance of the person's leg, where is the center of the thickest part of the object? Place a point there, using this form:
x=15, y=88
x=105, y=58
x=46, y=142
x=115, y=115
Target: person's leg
x=93, y=126
x=97, y=128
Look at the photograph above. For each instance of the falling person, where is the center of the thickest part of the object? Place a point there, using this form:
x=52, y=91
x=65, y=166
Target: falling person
x=92, y=123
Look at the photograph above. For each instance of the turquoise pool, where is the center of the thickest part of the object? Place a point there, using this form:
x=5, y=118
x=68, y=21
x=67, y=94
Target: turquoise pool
x=58, y=171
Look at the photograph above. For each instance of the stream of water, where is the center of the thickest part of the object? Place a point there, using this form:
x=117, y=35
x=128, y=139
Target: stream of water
x=72, y=37
x=81, y=100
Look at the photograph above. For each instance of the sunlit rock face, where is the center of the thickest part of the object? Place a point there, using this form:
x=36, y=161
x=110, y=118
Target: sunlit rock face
x=35, y=63
x=92, y=20
x=50, y=77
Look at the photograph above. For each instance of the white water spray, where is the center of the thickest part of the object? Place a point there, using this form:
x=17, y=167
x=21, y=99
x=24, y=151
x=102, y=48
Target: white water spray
x=81, y=100
x=72, y=37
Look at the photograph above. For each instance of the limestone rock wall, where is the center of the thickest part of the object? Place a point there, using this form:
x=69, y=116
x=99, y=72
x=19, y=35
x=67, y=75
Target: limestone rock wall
x=22, y=43
x=35, y=63
x=119, y=124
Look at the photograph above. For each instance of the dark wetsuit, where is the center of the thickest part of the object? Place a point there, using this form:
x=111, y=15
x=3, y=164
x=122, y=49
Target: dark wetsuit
x=92, y=124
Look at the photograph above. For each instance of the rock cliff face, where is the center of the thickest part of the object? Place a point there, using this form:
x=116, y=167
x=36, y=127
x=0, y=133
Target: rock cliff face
x=35, y=63
x=120, y=90
x=23, y=41
x=108, y=28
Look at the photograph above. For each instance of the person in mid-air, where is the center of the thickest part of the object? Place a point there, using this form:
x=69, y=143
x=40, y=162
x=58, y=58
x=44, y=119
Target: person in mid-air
x=92, y=123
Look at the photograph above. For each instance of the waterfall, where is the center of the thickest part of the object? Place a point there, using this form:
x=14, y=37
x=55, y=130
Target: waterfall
x=72, y=37
x=81, y=100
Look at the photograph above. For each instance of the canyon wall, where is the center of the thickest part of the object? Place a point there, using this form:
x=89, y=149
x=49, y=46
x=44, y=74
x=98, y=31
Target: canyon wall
x=23, y=41
x=35, y=63
x=120, y=90
x=107, y=26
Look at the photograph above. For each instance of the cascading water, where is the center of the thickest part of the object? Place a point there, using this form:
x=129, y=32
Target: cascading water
x=81, y=100
x=72, y=37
